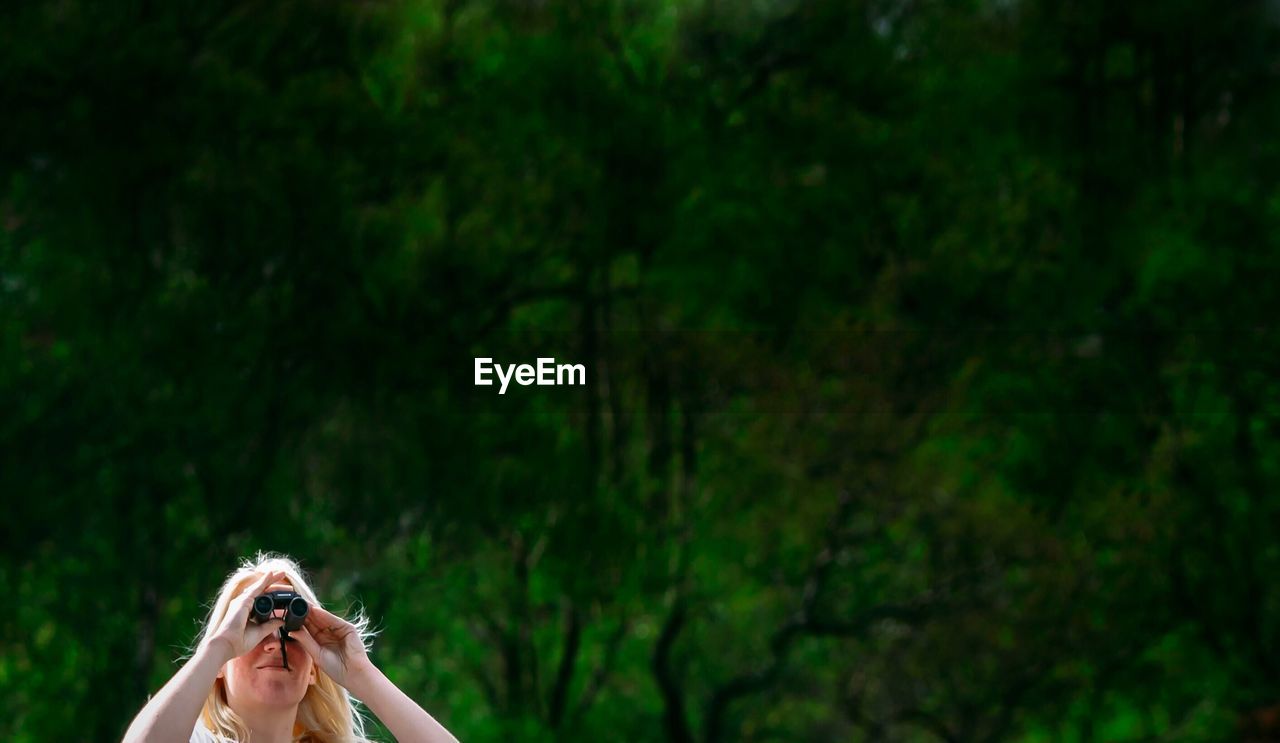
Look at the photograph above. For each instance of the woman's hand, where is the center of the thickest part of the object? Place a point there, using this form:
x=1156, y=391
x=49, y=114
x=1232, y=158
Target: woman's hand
x=236, y=635
x=335, y=645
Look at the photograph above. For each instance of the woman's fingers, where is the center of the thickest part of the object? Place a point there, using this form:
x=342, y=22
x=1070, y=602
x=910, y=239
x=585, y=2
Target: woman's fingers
x=318, y=627
x=318, y=620
x=256, y=585
x=319, y=613
x=238, y=611
x=255, y=589
x=308, y=643
x=266, y=580
x=255, y=632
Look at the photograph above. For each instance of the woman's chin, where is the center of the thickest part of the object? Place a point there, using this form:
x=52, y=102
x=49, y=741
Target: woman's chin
x=281, y=692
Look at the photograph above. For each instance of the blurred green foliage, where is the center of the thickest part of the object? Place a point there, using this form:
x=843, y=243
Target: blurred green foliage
x=932, y=394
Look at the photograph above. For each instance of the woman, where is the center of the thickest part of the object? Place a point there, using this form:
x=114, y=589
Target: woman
x=236, y=688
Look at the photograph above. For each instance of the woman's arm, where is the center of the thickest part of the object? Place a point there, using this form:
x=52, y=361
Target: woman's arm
x=336, y=646
x=171, y=714
x=408, y=722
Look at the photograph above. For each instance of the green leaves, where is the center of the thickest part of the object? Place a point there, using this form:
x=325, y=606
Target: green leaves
x=930, y=375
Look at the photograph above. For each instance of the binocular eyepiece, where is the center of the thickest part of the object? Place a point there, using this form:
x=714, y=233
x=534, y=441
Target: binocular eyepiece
x=294, y=609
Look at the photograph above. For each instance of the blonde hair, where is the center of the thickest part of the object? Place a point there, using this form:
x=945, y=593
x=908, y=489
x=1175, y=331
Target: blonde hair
x=327, y=713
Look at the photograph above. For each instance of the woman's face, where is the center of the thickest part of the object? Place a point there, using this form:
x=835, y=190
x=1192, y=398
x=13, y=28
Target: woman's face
x=258, y=678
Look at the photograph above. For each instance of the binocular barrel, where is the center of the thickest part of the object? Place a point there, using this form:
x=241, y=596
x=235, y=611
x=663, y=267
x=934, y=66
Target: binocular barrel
x=293, y=606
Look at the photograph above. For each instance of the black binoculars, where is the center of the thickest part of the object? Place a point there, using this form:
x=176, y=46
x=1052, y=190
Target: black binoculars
x=293, y=606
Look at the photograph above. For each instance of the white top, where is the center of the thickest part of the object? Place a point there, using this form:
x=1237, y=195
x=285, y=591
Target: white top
x=202, y=734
